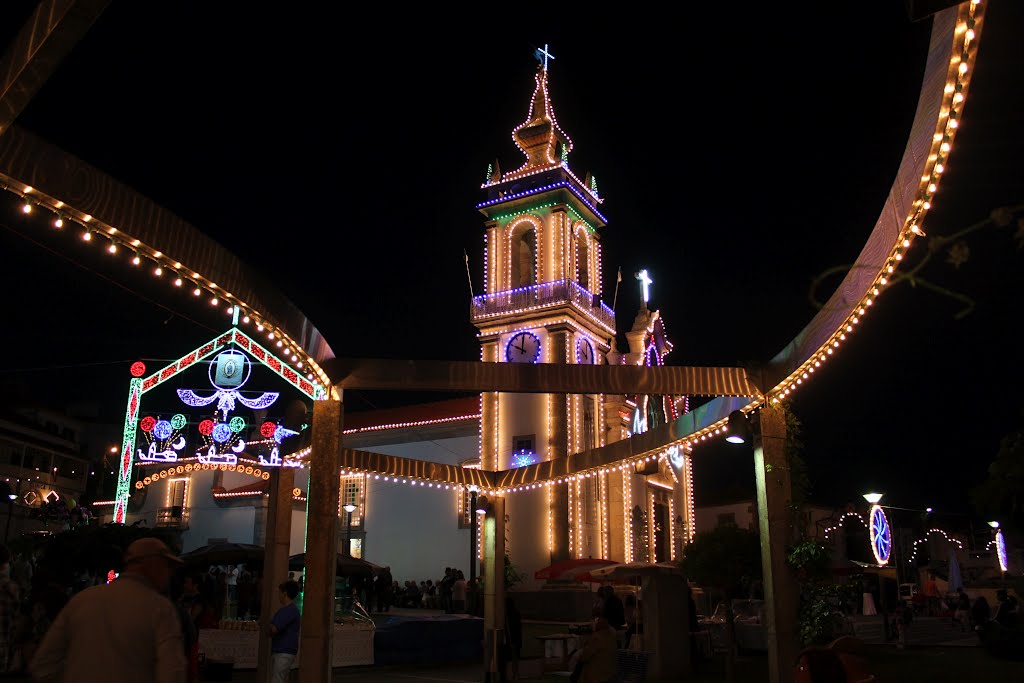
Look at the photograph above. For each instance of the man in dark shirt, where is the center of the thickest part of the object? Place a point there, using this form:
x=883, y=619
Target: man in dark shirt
x=284, y=632
x=614, y=610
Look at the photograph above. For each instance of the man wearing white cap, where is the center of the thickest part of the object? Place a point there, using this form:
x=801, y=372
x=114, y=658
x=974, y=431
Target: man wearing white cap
x=126, y=631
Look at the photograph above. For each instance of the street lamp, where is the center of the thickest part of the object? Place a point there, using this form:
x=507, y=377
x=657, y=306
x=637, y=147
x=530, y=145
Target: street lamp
x=873, y=498
x=11, y=497
x=349, y=508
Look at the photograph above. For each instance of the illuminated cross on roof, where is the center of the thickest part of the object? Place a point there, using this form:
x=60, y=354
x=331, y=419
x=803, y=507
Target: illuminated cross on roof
x=543, y=52
x=645, y=282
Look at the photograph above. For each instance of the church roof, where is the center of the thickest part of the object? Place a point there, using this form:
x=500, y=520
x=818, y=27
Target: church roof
x=451, y=410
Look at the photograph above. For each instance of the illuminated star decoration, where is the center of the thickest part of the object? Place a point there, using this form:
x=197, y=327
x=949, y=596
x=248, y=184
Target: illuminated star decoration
x=524, y=457
x=222, y=439
x=164, y=437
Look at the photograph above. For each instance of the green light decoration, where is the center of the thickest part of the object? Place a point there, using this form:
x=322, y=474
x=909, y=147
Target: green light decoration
x=565, y=154
x=179, y=421
x=593, y=185
x=237, y=424
x=490, y=170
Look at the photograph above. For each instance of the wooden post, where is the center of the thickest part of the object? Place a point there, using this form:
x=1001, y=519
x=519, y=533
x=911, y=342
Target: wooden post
x=774, y=497
x=275, y=558
x=315, y=657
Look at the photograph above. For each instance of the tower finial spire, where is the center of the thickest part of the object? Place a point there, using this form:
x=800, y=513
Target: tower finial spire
x=542, y=55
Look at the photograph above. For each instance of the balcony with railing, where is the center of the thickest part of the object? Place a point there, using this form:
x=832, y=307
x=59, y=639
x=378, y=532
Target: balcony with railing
x=175, y=517
x=547, y=295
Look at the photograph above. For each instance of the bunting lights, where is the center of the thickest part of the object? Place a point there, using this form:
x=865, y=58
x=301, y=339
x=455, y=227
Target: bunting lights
x=115, y=241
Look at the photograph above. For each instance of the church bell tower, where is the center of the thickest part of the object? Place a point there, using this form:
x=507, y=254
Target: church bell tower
x=542, y=304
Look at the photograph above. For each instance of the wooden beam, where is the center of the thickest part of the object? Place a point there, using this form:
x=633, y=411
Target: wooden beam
x=542, y=378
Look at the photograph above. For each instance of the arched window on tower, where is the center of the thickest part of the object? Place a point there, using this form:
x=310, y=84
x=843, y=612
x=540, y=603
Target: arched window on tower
x=524, y=259
x=582, y=255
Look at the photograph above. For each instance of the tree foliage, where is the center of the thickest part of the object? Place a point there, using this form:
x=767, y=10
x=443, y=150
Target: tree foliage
x=726, y=558
x=822, y=602
x=1001, y=495
x=954, y=247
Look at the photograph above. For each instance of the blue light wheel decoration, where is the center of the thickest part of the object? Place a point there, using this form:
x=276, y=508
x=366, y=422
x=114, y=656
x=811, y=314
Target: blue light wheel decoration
x=881, y=538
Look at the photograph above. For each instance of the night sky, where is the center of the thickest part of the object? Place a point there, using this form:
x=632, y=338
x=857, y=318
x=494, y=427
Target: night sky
x=740, y=154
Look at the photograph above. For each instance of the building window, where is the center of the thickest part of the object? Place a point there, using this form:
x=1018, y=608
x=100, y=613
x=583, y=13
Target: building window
x=351, y=492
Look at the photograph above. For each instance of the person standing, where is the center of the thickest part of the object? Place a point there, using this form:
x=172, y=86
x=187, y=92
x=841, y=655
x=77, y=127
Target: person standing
x=904, y=616
x=598, y=658
x=614, y=611
x=459, y=593
x=231, y=581
x=125, y=631
x=961, y=609
x=444, y=589
x=284, y=632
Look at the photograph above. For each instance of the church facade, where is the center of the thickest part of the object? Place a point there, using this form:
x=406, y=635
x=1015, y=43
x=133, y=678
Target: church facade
x=542, y=302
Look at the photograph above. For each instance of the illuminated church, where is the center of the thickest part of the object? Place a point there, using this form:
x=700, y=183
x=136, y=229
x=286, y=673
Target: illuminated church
x=541, y=303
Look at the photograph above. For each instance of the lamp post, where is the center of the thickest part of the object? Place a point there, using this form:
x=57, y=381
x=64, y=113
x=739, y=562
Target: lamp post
x=473, y=489
x=349, y=509
x=11, y=497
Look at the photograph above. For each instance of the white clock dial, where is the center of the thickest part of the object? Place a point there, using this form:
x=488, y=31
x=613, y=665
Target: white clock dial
x=523, y=347
x=584, y=352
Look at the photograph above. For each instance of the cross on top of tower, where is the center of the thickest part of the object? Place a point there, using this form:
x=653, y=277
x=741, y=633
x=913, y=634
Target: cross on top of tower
x=543, y=55
x=645, y=282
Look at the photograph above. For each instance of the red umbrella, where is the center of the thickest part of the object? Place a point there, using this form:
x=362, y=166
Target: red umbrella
x=573, y=570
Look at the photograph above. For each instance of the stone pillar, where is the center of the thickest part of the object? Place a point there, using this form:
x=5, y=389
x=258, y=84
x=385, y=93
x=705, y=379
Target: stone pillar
x=276, y=544
x=774, y=496
x=494, y=586
x=666, y=620
x=558, y=447
x=321, y=543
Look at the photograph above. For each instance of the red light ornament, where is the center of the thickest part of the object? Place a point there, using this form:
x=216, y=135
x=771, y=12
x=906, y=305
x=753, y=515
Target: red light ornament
x=267, y=429
x=138, y=369
x=206, y=427
x=147, y=423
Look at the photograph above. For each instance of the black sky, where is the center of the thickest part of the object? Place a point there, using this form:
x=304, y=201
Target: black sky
x=740, y=154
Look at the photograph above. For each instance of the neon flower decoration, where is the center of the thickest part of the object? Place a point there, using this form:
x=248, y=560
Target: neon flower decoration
x=881, y=538
x=1001, y=550
x=138, y=369
x=147, y=423
x=179, y=421
x=206, y=427
x=267, y=429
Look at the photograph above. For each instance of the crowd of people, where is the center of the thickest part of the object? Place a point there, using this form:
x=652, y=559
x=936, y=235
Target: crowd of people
x=147, y=617
x=451, y=592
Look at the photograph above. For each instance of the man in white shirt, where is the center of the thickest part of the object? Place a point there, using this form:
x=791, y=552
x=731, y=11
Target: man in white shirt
x=125, y=631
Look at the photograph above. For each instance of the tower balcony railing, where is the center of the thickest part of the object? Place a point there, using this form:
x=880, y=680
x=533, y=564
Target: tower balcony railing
x=538, y=297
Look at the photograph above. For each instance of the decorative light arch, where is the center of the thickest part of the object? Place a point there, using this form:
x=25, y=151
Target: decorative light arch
x=140, y=385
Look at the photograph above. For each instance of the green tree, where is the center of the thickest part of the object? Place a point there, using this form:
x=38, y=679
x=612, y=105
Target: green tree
x=1001, y=495
x=728, y=560
x=823, y=603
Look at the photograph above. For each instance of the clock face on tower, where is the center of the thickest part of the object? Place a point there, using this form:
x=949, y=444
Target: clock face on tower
x=523, y=347
x=584, y=352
